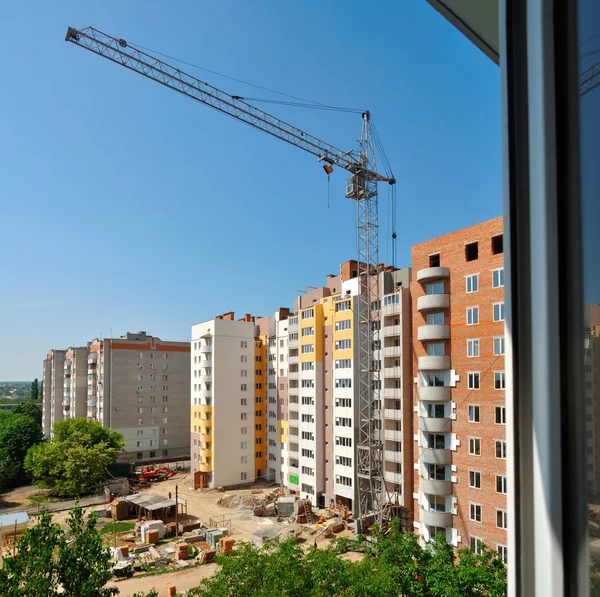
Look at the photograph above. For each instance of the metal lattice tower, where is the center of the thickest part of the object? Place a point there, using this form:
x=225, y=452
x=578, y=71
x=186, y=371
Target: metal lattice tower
x=362, y=187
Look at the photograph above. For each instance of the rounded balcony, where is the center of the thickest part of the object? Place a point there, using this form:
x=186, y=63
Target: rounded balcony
x=206, y=453
x=436, y=456
x=205, y=468
x=434, y=363
x=435, y=425
x=427, y=333
x=431, y=274
x=435, y=487
x=204, y=408
x=436, y=519
x=434, y=393
x=433, y=302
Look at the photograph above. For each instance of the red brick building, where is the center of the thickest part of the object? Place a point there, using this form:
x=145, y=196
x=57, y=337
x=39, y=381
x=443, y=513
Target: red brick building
x=457, y=291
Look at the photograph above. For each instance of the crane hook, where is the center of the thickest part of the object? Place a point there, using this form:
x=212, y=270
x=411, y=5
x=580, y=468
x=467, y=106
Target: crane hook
x=122, y=43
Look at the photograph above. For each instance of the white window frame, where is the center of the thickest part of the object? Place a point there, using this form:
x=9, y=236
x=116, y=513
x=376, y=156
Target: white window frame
x=472, y=283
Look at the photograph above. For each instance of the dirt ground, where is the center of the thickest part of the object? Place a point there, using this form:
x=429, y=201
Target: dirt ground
x=183, y=580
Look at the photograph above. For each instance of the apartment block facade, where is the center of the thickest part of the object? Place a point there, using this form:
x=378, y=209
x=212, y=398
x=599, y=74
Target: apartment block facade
x=137, y=385
x=52, y=409
x=459, y=423
x=296, y=394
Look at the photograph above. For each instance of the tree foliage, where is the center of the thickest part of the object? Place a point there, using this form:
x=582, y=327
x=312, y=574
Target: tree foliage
x=18, y=433
x=75, y=461
x=395, y=564
x=50, y=564
x=35, y=394
x=31, y=409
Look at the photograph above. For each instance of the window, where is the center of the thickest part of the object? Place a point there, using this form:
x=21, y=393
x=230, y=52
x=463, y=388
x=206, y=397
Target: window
x=474, y=414
x=343, y=383
x=308, y=348
x=435, y=288
x=501, y=519
x=243, y=358
x=472, y=251
x=498, y=311
x=499, y=345
x=502, y=552
x=498, y=245
x=343, y=306
x=346, y=481
x=437, y=503
x=475, y=544
x=308, y=383
x=343, y=325
x=435, y=319
x=140, y=421
x=244, y=372
x=435, y=379
x=343, y=344
x=473, y=347
x=500, y=448
x=244, y=431
x=472, y=315
x=244, y=416
x=473, y=380
x=500, y=415
x=472, y=283
x=309, y=331
x=347, y=422
x=437, y=472
x=244, y=344
x=498, y=278
x=499, y=380
x=475, y=512
x=475, y=446
x=435, y=349
x=343, y=460
x=343, y=441
x=343, y=364
x=500, y=484
x=308, y=453
x=308, y=314
x=140, y=355
x=475, y=479
x=435, y=411
x=243, y=476
x=434, y=260
x=436, y=441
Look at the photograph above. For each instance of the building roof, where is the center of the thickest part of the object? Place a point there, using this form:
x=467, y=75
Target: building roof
x=12, y=519
x=478, y=21
x=151, y=501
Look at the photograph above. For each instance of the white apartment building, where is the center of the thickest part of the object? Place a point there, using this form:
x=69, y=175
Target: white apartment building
x=52, y=410
x=75, y=383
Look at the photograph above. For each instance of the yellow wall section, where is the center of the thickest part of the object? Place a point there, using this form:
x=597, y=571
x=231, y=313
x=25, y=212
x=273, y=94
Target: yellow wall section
x=199, y=419
x=317, y=339
x=283, y=431
x=343, y=334
x=260, y=349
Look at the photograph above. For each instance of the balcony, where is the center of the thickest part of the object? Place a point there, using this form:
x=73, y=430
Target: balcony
x=393, y=477
x=392, y=414
x=392, y=330
x=293, y=360
x=293, y=374
x=426, y=333
x=393, y=371
x=435, y=425
x=434, y=393
x=436, y=519
x=205, y=347
x=392, y=351
x=392, y=456
x=432, y=274
x=433, y=302
x=293, y=343
x=392, y=392
x=435, y=486
x=393, y=435
x=434, y=363
x=436, y=456
x=394, y=309
x=293, y=448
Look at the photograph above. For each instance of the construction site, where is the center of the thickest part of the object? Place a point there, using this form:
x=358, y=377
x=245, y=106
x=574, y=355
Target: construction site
x=168, y=525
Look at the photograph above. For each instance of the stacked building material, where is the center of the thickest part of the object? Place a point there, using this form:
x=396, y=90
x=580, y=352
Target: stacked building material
x=226, y=545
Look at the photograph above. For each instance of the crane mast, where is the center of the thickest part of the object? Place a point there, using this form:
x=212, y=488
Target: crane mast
x=361, y=187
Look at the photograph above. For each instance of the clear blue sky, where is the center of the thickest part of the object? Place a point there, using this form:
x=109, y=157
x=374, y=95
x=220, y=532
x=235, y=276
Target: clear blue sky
x=128, y=206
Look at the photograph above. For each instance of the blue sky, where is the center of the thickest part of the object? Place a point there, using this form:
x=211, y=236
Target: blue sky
x=126, y=206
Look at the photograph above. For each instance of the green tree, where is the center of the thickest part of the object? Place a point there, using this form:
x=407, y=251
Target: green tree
x=74, y=462
x=18, y=433
x=31, y=409
x=395, y=564
x=35, y=390
x=48, y=564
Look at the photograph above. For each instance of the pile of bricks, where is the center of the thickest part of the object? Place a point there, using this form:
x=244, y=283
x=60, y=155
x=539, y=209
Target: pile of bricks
x=226, y=545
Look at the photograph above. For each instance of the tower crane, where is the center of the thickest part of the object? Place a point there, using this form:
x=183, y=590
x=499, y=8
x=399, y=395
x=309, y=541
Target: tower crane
x=361, y=187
